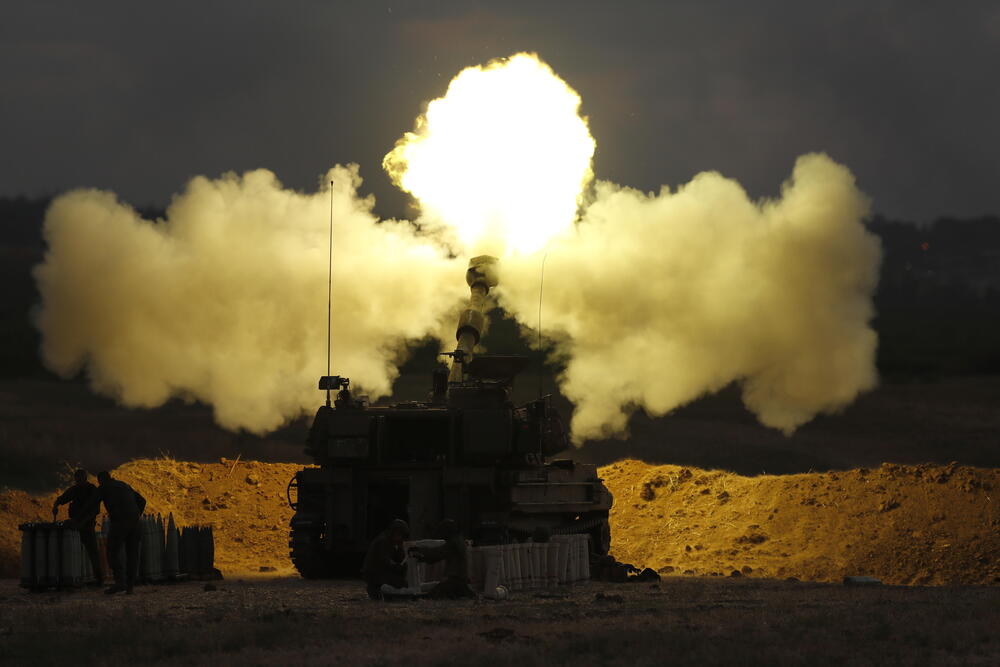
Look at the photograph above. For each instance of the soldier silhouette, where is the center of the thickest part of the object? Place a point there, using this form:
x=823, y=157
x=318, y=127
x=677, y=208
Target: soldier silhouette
x=79, y=496
x=124, y=505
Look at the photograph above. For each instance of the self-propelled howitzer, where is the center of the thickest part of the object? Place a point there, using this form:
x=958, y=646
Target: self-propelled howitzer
x=467, y=453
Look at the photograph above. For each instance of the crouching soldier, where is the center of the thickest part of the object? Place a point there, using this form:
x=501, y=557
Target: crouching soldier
x=78, y=496
x=456, y=562
x=125, y=506
x=384, y=560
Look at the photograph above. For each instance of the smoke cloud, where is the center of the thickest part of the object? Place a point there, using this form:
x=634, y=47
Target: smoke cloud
x=222, y=301
x=651, y=300
x=661, y=298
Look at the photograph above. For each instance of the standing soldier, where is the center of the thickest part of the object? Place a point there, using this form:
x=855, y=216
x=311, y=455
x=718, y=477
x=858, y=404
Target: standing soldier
x=384, y=560
x=124, y=505
x=79, y=496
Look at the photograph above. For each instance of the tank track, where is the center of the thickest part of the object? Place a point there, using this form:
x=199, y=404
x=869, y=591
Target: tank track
x=305, y=548
x=312, y=561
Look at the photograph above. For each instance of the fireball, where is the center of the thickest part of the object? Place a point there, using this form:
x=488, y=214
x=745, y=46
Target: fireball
x=501, y=160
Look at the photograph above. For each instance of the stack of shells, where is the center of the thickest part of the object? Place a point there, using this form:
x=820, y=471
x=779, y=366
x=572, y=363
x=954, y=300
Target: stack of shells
x=168, y=553
x=52, y=555
x=196, y=553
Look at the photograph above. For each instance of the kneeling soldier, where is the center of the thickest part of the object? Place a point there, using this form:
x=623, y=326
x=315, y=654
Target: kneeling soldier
x=456, y=562
x=384, y=560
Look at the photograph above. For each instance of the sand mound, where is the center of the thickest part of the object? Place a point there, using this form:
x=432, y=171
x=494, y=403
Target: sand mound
x=922, y=524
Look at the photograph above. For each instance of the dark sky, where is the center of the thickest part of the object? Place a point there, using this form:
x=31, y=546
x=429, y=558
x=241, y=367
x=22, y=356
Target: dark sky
x=138, y=97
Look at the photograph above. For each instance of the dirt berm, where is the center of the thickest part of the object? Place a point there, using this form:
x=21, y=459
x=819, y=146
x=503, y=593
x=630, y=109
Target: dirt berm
x=924, y=524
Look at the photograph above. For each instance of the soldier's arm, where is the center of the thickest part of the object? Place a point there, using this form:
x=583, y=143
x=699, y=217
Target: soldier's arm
x=387, y=559
x=434, y=554
x=65, y=497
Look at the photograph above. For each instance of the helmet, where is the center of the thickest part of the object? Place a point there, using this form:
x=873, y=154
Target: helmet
x=399, y=526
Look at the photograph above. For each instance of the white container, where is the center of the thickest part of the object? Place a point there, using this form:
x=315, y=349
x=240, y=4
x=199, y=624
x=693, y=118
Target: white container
x=538, y=565
x=578, y=562
x=524, y=565
x=552, y=563
x=41, y=554
x=542, y=564
x=493, y=572
x=573, y=566
x=150, y=559
x=171, y=555
x=158, y=547
x=28, y=555
x=564, y=554
x=52, y=556
x=70, y=562
x=507, y=554
x=527, y=575
x=158, y=527
x=531, y=555
x=519, y=567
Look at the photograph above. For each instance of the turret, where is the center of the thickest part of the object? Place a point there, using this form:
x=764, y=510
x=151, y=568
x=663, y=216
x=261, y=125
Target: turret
x=481, y=277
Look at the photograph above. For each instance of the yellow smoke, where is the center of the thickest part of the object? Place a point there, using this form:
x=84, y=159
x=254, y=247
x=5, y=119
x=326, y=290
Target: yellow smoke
x=223, y=301
x=501, y=159
x=651, y=300
x=662, y=298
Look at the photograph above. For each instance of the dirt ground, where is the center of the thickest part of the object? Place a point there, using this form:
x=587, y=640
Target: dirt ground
x=682, y=620
x=915, y=525
x=786, y=537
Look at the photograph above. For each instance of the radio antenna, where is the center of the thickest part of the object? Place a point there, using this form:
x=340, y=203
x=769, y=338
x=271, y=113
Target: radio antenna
x=541, y=362
x=329, y=294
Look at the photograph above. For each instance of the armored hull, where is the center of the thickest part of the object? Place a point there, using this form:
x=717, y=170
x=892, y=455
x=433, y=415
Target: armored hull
x=481, y=467
x=467, y=454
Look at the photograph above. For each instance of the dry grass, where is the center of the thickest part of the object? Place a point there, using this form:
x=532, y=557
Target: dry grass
x=683, y=621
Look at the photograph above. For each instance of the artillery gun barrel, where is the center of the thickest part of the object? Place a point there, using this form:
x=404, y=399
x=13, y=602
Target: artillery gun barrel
x=481, y=277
